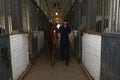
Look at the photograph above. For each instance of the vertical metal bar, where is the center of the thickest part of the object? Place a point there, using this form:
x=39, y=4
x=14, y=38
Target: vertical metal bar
x=24, y=14
x=117, y=15
x=6, y=16
x=88, y=15
x=20, y=15
x=106, y=14
x=119, y=18
x=98, y=7
x=103, y=15
x=3, y=16
x=28, y=14
x=0, y=16
x=114, y=16
x=100, y=16
x=97, y=16
x=9, y=16
x=107, y=5
x=110, y=19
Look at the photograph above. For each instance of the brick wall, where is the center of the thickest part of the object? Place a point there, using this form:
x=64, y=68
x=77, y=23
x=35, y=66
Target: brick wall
x=91, y=54
x=19, y=54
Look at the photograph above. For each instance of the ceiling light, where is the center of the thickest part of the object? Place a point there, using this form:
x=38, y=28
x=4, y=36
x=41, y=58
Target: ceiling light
x=56, y=13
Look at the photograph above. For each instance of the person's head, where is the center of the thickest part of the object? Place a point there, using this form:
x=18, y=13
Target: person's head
x=65, y=21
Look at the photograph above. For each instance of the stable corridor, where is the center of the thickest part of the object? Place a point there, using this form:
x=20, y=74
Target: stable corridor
x=30, y=38
x=42, y=69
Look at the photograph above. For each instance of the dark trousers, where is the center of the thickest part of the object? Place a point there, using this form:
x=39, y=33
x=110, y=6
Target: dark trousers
x=64, y=50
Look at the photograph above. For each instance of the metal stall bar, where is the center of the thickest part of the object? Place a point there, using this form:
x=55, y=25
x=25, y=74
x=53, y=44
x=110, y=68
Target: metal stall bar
x=110, y=18
x=100, y=16
x=106, y=16
x=103, y=15
x=0, y=17
x=113, y=16
x=98, y=9
x=3, y=16
x=6, y=3
x=20, y=16
x=28, y=14
x=117, y=15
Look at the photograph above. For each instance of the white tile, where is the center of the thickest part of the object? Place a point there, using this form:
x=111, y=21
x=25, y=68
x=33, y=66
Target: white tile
x=19, y=55
x=91, y=54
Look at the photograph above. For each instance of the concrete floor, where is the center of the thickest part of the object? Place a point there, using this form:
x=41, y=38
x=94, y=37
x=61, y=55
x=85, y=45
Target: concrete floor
x=42, y=70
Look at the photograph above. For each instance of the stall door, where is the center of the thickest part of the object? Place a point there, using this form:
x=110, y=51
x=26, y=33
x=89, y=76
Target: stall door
x=5, y=62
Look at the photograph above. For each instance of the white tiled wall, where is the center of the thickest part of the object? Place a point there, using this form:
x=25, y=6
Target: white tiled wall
x=19, y=54
x=91, y=54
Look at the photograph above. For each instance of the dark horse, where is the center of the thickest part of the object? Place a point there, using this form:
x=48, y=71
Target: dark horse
x=51, y=38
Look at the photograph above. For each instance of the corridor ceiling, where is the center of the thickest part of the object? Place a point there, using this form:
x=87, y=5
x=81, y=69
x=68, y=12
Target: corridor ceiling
x=60, y=6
